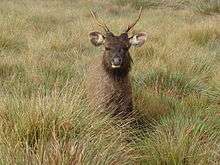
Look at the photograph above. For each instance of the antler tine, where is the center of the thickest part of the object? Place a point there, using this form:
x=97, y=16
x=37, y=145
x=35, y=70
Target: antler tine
x=99, y=22
x=132, y=25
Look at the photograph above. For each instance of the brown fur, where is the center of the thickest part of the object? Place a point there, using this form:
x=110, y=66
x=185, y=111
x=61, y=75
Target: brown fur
x=110, y=92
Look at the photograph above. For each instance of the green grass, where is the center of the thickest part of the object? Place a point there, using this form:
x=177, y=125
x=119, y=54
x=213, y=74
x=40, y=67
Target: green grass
x=45, y=116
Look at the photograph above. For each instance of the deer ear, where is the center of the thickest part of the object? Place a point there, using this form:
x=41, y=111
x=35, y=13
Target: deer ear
x=138, y=39
x=96, y=38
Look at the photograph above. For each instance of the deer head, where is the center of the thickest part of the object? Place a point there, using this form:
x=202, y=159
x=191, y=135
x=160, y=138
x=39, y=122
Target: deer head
x=116, y=57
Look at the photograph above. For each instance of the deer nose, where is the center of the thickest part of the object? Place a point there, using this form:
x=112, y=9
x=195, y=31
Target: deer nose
x=116, y=61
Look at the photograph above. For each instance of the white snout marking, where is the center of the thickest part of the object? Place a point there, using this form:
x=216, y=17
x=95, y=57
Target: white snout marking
x=115, y=66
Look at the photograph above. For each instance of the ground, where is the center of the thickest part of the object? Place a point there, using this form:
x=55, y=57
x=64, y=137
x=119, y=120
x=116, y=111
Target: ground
x=45, y=117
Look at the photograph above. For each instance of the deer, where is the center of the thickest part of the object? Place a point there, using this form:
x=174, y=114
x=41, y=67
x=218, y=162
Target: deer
x=108, y=83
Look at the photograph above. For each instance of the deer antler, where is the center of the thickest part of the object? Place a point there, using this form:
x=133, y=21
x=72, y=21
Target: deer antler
x=99, y=21
x=133, y=24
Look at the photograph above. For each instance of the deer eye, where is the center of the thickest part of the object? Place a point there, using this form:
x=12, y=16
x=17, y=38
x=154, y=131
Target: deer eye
x=107, y=48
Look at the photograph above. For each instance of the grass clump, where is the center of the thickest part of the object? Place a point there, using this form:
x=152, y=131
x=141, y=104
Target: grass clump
x=59, y=128
x=175, y=4
x=172, y=84
x=179, y=140
x=11, y=43
x=7, y=71
x=206, y=6
x=204, y=34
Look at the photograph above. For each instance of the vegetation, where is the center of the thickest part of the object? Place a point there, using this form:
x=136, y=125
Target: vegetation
x=45, y=117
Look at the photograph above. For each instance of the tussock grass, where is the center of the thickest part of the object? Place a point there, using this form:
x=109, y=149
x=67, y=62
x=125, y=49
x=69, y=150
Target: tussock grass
x=203, y=35
x=153, y=3
x=181, y=141
x=206, y=6
x=45, y=117
x=9, y=42
x=59, y=128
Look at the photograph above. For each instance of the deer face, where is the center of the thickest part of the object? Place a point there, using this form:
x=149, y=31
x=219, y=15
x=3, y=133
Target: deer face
x=116, y=52
x=116, y=55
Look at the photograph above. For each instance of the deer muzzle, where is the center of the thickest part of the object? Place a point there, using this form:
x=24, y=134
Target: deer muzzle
x=116, y=62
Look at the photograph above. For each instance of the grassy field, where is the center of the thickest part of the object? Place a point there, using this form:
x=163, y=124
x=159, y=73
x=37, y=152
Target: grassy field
x=45, y=117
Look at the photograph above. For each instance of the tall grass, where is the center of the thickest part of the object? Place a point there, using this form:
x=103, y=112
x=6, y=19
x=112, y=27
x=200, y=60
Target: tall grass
x=206, y=6
x=199, y=6
x=45, y=117
x=176, y=4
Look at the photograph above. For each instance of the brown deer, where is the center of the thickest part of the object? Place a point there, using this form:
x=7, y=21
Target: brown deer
x=108, y=81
